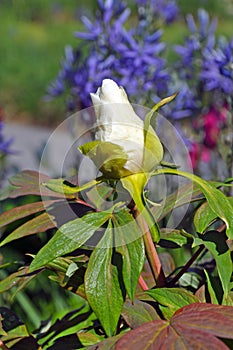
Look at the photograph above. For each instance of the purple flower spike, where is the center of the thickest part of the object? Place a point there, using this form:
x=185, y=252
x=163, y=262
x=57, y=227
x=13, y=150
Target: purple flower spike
x=132, y=57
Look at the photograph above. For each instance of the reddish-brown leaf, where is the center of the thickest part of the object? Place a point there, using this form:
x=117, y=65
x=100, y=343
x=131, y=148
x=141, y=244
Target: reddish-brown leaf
x=24, y=210
x=212, y=319
x=40, y=223
x=193, y=327
x=138, y=312
x=144, y=337
x=31, y=182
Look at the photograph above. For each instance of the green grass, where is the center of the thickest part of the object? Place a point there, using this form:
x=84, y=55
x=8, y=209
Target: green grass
x=214, y=7
x=33, y=37
x=30, y=53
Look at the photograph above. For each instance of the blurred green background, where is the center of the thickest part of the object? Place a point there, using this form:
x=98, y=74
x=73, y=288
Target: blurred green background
x=33, y=36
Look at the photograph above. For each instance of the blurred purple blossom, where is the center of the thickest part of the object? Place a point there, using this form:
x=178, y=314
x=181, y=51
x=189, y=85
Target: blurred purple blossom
x=5, y=144
x=133, y=57
x=205, y=65
x=166, y=10
x=5, y=150
x=200, y=41
x=217, y=73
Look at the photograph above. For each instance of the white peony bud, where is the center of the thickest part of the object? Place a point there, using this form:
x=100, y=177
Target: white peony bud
x=118, y=123
x=120, y=148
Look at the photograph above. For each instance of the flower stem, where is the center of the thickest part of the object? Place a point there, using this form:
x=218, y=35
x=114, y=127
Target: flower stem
x=186, y=266
x=151, y=252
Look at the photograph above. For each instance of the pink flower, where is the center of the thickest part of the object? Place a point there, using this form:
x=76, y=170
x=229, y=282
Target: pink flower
x=194, y=153
x=213, y=121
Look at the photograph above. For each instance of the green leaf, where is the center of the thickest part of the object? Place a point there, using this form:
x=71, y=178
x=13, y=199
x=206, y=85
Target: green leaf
x=102, y=284
x=172, y=238
x=69, y=237
x=213, y=297
x=40, y=223
x=2, y=332
x=218, y=202
x=184, y=195
x=71, y=269
x=168, y=164
x=18, y=334
x=135, y=184
x=13, y=279
x=100, y=194
x=62, y=264
x=64, y=187
x=216, y=244
x=205, y=216
x=138, y=312
x=129, y=243
x=107, y=344
x=172, y=299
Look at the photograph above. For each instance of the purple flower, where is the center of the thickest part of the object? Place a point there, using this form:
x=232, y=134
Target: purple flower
x=217, y=72
x=132, y=57
x=166, y=10
x=204, y=65
x=201, y=38
x=184, y=105
x=4, y=144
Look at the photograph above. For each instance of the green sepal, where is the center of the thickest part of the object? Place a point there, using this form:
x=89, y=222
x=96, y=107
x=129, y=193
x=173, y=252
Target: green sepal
x=108, y=157
x=156, y=107
x=153, y=149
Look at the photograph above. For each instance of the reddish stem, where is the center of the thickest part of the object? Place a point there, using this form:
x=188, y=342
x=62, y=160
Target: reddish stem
x=142, y=283
x=3, y=346
x=151, y=252
x=186, y=266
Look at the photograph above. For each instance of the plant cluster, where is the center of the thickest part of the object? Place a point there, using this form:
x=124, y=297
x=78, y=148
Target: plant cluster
x=108, y=243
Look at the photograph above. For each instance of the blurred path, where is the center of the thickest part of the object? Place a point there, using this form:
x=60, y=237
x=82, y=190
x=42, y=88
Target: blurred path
x=29, y=143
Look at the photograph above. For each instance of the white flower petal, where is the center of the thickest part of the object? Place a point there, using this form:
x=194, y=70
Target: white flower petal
x=116, y=122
